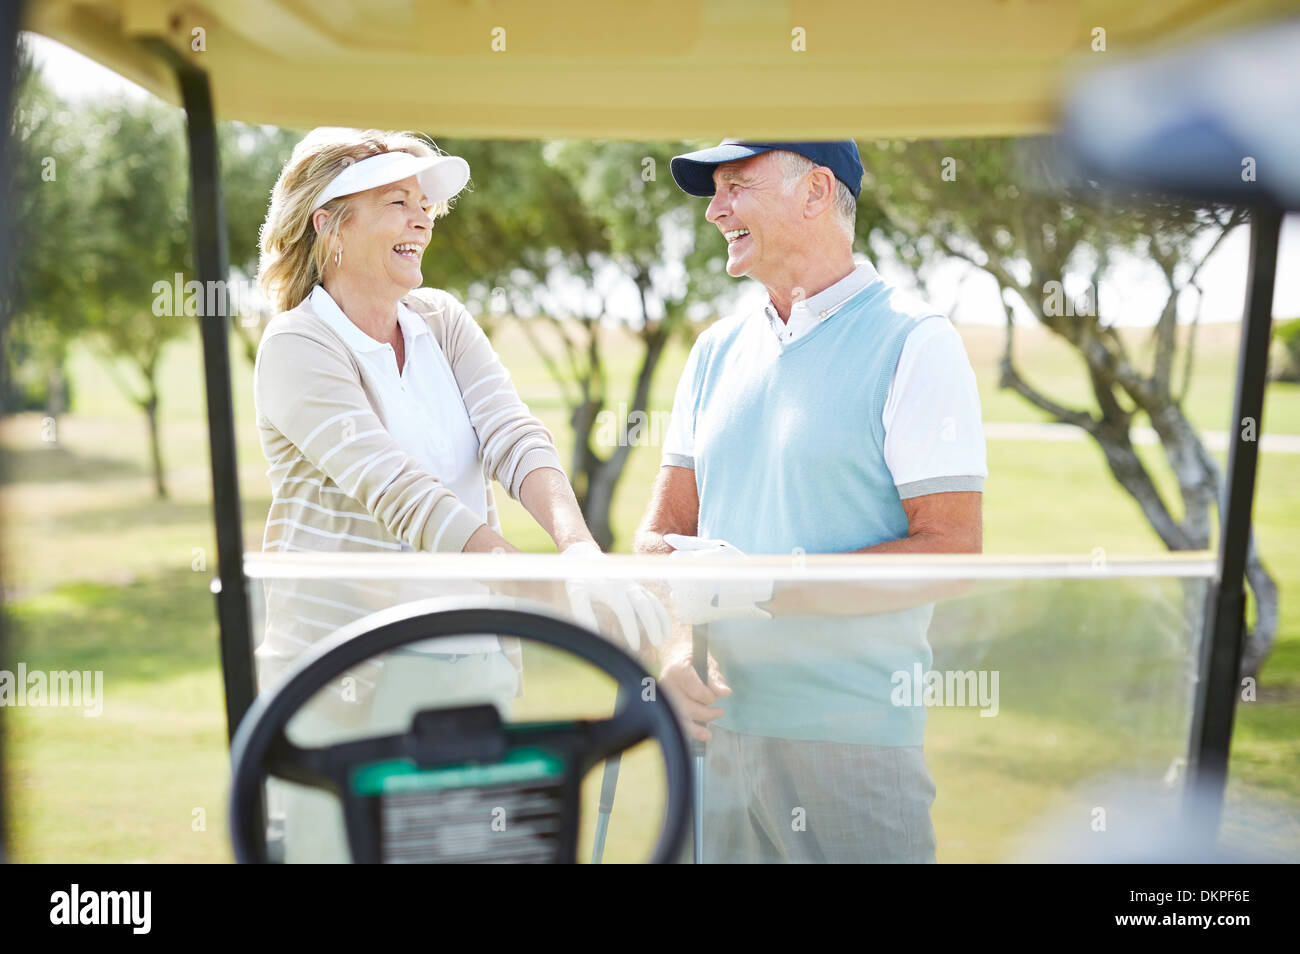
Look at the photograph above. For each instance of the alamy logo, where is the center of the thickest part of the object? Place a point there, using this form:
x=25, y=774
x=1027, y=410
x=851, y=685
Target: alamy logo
x=637, y=429
x=954, y=687
x=103, y=907
x=178, y=298
x=83, y=689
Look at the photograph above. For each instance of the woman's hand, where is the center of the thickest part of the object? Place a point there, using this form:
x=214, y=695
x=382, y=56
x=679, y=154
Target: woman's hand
x=630, y=602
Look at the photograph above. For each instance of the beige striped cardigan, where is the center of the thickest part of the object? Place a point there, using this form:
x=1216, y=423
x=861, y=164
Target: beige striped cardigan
x=340, y=482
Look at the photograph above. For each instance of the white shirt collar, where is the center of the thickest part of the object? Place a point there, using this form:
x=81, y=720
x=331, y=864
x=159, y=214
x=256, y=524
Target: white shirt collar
x=327, y=309
x=809, y=312
x=829, y=299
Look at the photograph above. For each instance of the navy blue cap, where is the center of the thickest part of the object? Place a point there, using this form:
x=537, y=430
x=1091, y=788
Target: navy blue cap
x=694, y=170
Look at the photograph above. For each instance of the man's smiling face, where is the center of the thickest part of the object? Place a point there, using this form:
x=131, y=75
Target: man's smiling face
x=755, y=213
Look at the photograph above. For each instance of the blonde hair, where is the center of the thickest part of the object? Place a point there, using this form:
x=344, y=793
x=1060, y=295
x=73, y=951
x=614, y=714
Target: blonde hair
x=293, y=254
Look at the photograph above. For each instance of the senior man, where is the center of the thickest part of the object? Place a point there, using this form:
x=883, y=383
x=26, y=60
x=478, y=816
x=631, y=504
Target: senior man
x=841, y=416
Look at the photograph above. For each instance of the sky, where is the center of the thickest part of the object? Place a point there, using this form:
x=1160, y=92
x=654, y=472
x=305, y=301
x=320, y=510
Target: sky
x=1134, y=296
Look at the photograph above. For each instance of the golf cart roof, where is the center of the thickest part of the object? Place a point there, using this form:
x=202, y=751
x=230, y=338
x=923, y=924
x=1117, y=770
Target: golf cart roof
x=674, y=69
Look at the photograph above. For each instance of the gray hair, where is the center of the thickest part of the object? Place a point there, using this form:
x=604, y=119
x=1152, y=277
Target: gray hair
x=795, y=166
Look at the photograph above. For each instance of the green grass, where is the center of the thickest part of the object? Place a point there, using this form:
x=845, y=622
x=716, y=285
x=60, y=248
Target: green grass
x=103, y=576
x=136, y=782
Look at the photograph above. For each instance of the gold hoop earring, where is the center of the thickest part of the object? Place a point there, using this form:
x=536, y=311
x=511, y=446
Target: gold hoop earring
x=338, y=256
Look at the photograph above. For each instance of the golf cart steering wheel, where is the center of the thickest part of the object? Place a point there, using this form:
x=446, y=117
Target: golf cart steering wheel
x=454, y=766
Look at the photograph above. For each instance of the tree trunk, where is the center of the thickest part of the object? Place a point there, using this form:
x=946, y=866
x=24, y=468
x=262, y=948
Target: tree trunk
x=1259, y=638
x=1196, y=471
x=601, y=483
x=596, y=478
x=56, y=400
x=583, y=421
x=1200, y=485
x=150, y=406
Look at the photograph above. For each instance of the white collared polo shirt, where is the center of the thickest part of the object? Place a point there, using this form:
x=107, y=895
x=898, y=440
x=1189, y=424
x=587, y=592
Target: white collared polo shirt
x=425, y=413
x=423, y=407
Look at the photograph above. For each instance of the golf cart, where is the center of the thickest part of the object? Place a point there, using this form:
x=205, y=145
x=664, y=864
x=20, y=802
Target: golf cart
x=505, y=70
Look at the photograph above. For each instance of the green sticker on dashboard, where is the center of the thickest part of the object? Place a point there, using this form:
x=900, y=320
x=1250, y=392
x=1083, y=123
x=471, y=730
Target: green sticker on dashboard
x=525, y=764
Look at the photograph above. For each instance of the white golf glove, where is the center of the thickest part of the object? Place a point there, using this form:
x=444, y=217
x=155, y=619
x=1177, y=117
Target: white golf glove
x=629, y=602
x=703, y=600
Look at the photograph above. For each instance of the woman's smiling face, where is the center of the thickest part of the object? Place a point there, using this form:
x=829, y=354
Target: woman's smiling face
x=386, y=234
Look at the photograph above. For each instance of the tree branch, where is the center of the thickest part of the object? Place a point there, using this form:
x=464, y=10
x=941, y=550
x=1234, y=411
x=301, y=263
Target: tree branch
x=552, y=367
x=1010, y=378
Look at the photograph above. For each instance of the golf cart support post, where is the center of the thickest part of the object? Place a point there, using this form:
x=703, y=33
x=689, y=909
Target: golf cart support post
x=210, y=259
x=9, y=23
x=1225, y=608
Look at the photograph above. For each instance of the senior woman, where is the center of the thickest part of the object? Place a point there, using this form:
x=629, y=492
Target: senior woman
x=384, y=413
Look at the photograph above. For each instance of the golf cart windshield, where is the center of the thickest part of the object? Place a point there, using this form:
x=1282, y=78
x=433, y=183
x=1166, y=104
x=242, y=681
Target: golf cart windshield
x=995, y=709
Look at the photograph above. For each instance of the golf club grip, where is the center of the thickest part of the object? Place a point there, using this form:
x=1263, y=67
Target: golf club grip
x=700, y=658
x=700, y=651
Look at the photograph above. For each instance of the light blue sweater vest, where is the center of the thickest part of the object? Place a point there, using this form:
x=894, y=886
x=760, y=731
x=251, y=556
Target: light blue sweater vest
x=789, y=458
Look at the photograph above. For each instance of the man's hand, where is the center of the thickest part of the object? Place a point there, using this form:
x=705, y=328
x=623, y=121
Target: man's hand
x=628, y=601
x=690, y=698
x=702, y=600
x=681, y=543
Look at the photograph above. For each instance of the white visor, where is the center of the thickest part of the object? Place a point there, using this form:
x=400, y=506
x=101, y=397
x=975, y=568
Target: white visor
x=441, y=177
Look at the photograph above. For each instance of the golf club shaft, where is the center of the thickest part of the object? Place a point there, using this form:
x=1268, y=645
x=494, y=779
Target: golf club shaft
x=602, y=826
x=608, y=785
x=700, y=657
